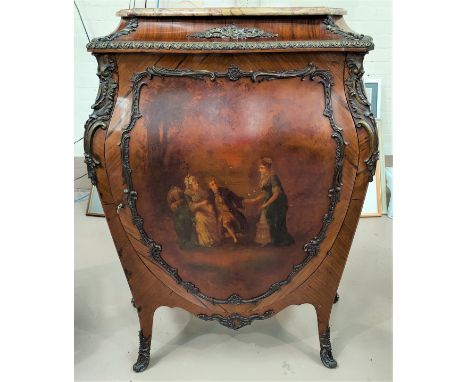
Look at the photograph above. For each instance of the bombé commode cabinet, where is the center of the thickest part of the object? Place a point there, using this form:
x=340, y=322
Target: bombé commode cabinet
x=232, y=149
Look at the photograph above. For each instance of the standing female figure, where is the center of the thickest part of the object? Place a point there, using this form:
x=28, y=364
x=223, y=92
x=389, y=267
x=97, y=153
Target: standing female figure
x=271, y=226
x=204, y=217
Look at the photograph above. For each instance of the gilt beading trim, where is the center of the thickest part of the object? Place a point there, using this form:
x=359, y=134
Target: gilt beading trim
x=229, y=45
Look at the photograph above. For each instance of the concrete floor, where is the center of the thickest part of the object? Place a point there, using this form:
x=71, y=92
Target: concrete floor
x=284, y=347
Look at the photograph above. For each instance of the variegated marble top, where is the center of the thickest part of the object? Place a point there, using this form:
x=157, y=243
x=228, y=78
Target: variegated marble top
x=251, y=11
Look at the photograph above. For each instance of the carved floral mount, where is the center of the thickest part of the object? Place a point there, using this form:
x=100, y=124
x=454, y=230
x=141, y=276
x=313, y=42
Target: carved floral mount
x=233, y=32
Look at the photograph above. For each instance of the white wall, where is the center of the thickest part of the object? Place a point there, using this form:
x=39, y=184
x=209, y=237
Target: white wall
x=373, y=18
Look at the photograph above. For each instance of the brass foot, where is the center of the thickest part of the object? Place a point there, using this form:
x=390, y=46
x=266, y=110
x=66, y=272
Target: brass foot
x=143, y=354
x=325, y=350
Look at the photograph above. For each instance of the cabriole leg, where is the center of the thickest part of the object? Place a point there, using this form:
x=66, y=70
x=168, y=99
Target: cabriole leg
x=146, y=325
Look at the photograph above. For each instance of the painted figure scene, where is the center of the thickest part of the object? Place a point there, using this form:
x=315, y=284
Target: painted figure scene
x=231, y=194
x=208, y=214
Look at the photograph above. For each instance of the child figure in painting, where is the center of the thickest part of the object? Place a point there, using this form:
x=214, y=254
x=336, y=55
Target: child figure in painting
x=227, y=205
x=181, y=216
x=271, y=226
x=204, y=215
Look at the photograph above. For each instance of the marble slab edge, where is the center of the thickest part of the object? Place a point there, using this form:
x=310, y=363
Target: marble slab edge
x=251, y=11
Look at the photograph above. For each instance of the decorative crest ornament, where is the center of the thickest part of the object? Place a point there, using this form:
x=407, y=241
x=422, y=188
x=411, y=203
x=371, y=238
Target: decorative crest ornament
x=233, y=32
x=234, y=73
x=235, y=321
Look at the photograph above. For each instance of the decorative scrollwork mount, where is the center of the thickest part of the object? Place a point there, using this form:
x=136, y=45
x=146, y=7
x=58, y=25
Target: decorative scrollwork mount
x=360, y=109
x=236, y=321
x=129, y=28
x=332, y=27
x=102, y=111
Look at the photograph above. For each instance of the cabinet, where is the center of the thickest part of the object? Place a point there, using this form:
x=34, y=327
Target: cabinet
x=232, y=149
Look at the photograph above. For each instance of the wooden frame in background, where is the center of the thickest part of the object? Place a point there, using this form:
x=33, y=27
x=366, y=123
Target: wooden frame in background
x=94, y=207
x=378, y=193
